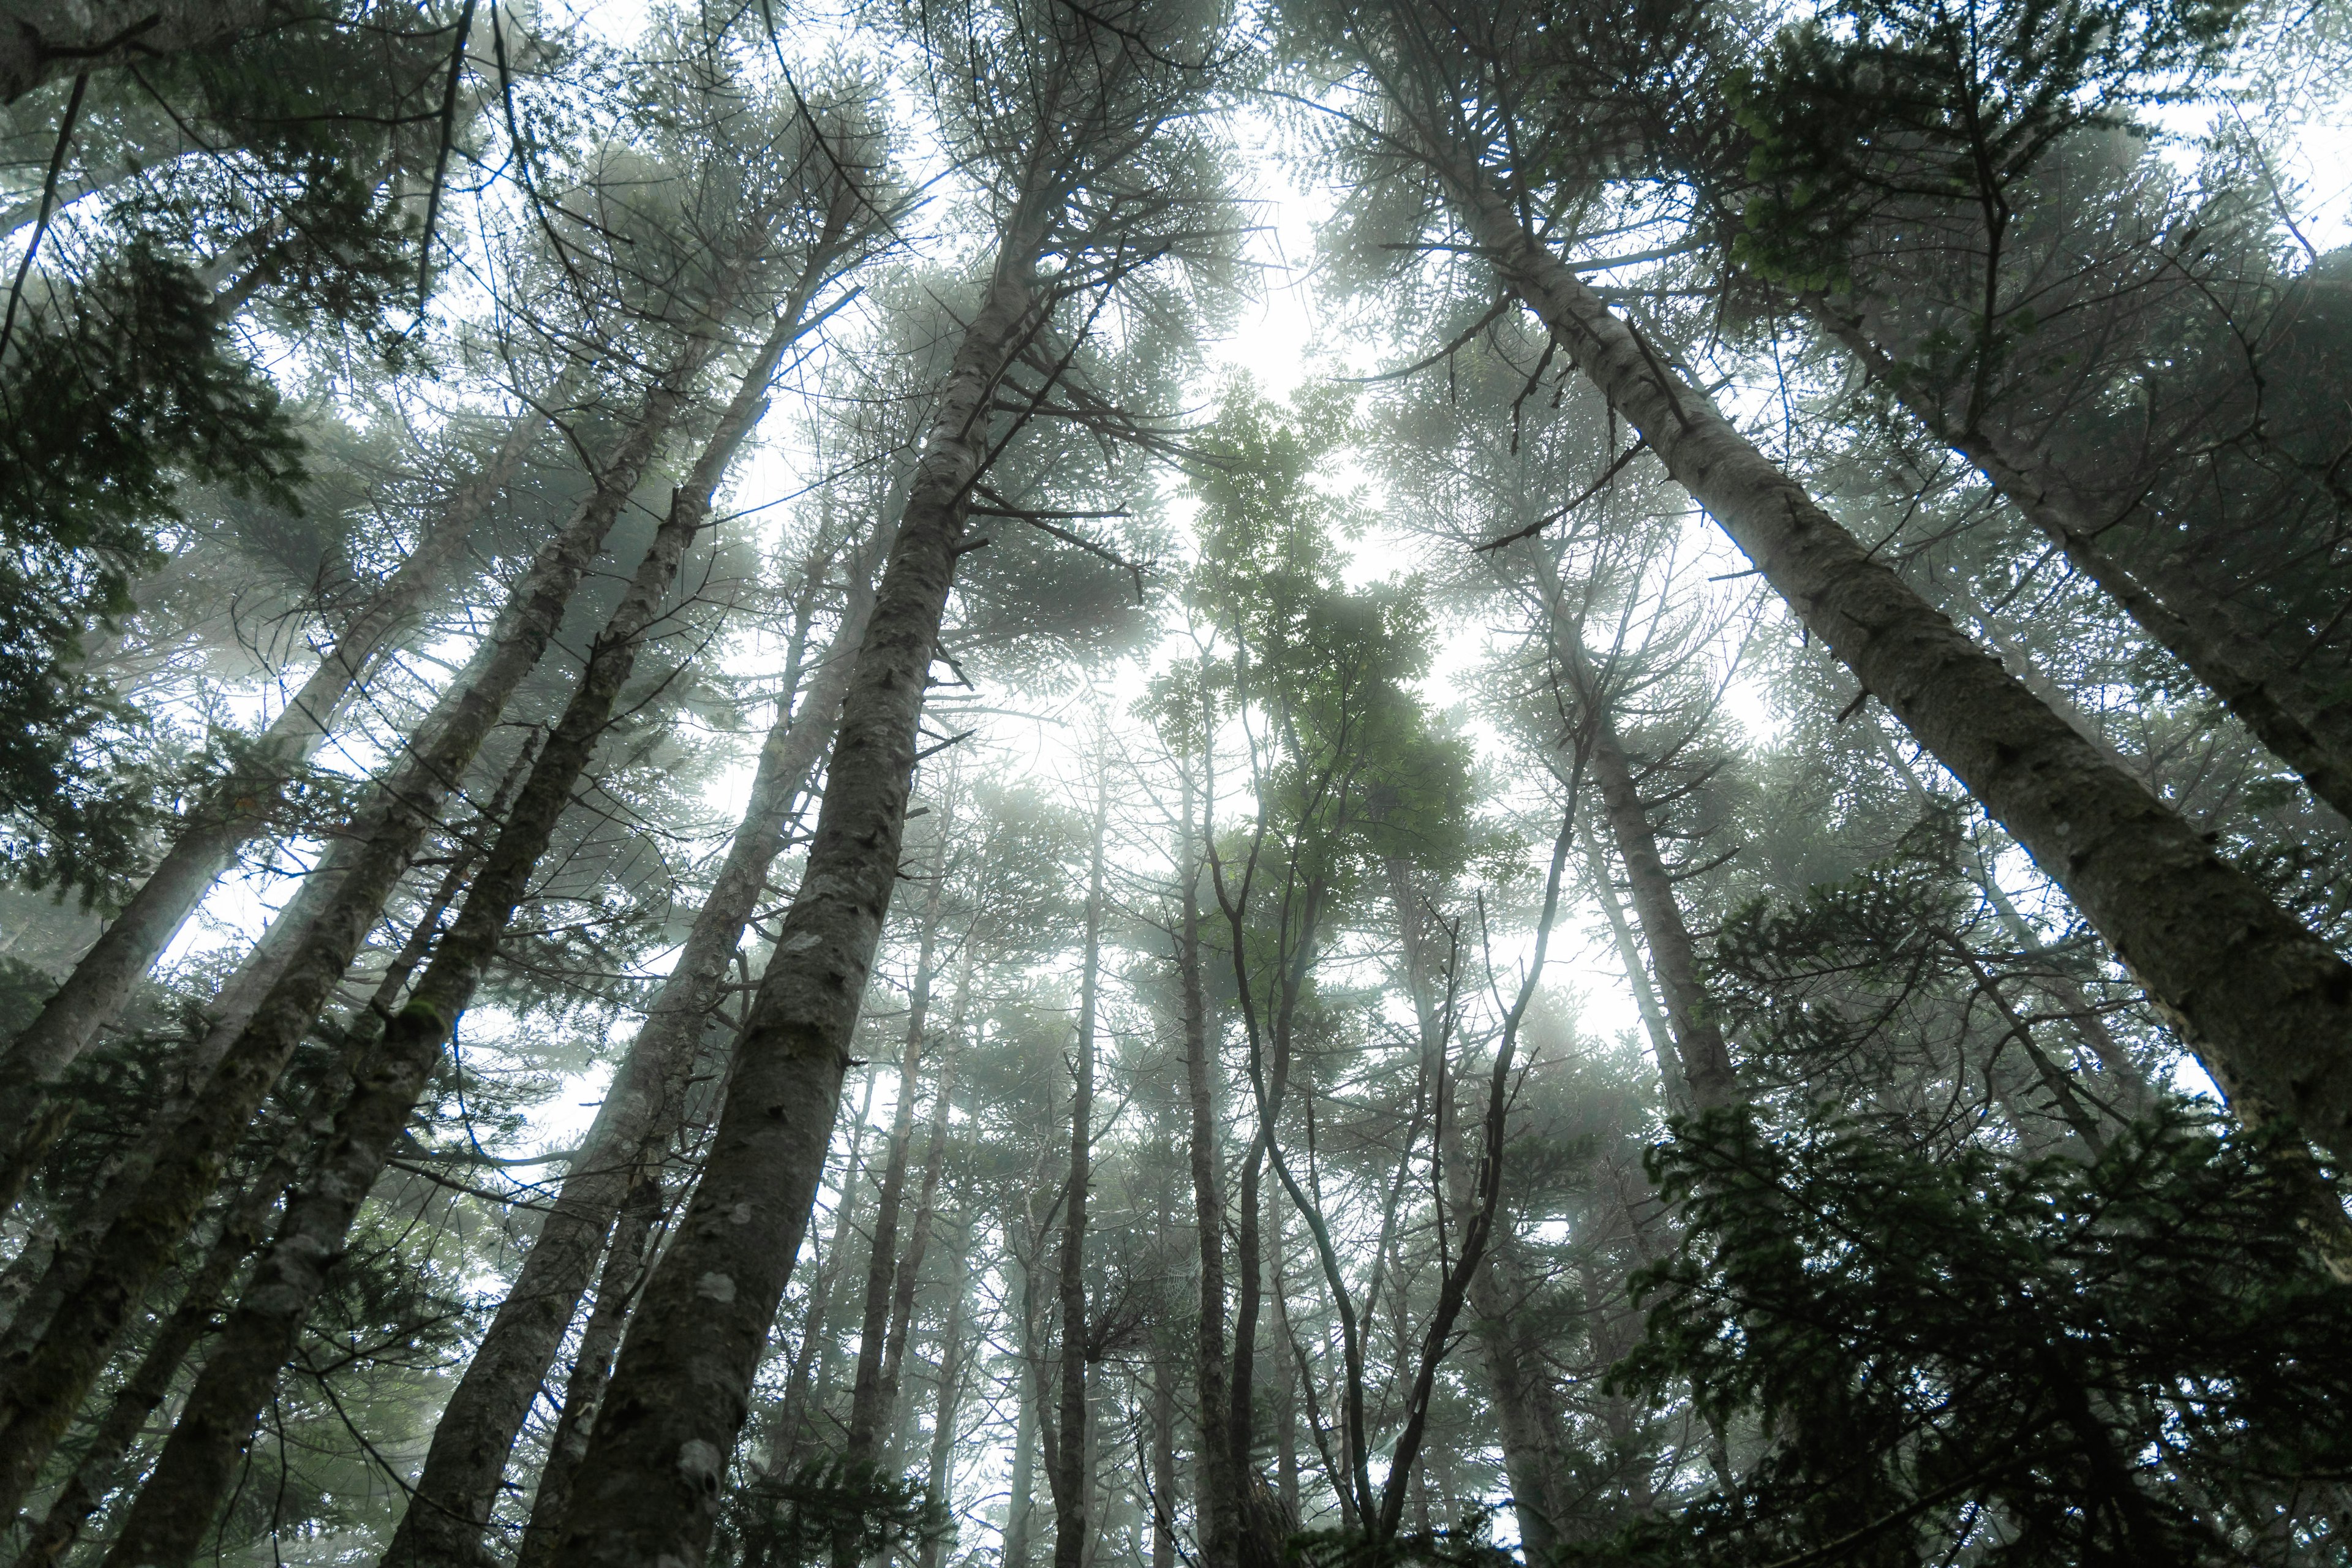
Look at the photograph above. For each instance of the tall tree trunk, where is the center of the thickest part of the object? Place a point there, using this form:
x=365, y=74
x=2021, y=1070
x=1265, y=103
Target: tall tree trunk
x=1029, y=1399
x=1530, y=1458
x=176, y=1506
x=642, y=1110
x=44, y=1388
x=812, y=1373
x=681, y=1390
x=2266, y=1005
x=2305, y=724
x=865, y=1402
x=1288, y=1368
x=229, y=817
x=1637, y=976
x=1073, y=1478
x=1219, y=1503
x=910, y=1274
x=242, y=1227
x=1699, y=1039
x=584, y=1390
x=941, y=1469
x=1163, y=1465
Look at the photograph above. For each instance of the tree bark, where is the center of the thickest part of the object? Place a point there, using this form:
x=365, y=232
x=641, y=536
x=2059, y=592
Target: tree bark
x=230, y=816
x=942, y=1470
x=2304, y=724
x=1704, y=1061
x=2266, y=1005
x=681, y=1389
x=44, y=1388
x=909, y=1275
x=591, y=1369
x=1029, y=1397
x=810, y=1359
x=1530, y=1458
x=1218, y=1505
x=866, y=1399
x=1073, y=1478
x=1637, y=978
x=175, y=1507
x=641, y=1112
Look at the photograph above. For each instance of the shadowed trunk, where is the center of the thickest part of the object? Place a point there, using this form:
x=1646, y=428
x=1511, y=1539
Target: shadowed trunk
x=229, y=817
x=867, y=1413
x=2304, y=724
x=46, y=1386
x=2266, y=1005
x=1218, y=1502
x=175, y=1507
x=477, y=1432
x=1073, y=1477
x=653, y=1478
x=591, y=1369
x=952, y=1354
x=242, y=1228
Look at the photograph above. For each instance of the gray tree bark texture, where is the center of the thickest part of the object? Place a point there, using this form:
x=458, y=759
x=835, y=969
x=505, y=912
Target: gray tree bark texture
x=242, y=1225
x=1637, y=976
x=811, y=1372
x=1217, y=1497
x=175, y=1510
x=2303, y=723
x=861, y=1442
x=46, y=40
x=908, y=1279
x=2265, y=1003
x=1705, y=1062
x=591, y=1370
x=652, y=1481
x=952, y=1352
x=451, y=1504
x=1073, y=1477
x=44, y=1386
x=231, y=817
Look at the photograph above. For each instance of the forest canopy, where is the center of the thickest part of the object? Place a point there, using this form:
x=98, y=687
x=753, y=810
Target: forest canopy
x=1322, y=784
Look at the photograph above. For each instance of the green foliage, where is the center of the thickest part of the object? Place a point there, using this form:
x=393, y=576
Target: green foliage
x=114, y=392
x=2131, y=1361
x=1468, y=1544
x=1872, y=103
x=827, y=1506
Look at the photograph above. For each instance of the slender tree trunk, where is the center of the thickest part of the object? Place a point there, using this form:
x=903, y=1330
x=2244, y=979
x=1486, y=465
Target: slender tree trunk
x=910, y=1274
x=1029, y=1398
x=1637, y=978
x=1218, y=1505
x=2265, y=1003
x=229, y=817
x=584, y=1390
x=866, y=1400
x=44, y=1388
x=1531, y=1460
x=1072, y=1480
x=2303, y=722
x=1163, y=1465
x=682, y=1386
x=176, y=1506
x=942, y=1470
x=642, y=1110
x=242, y=1228
x=812, y=1362
x=1287, y=1370
x=1699, y=1039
